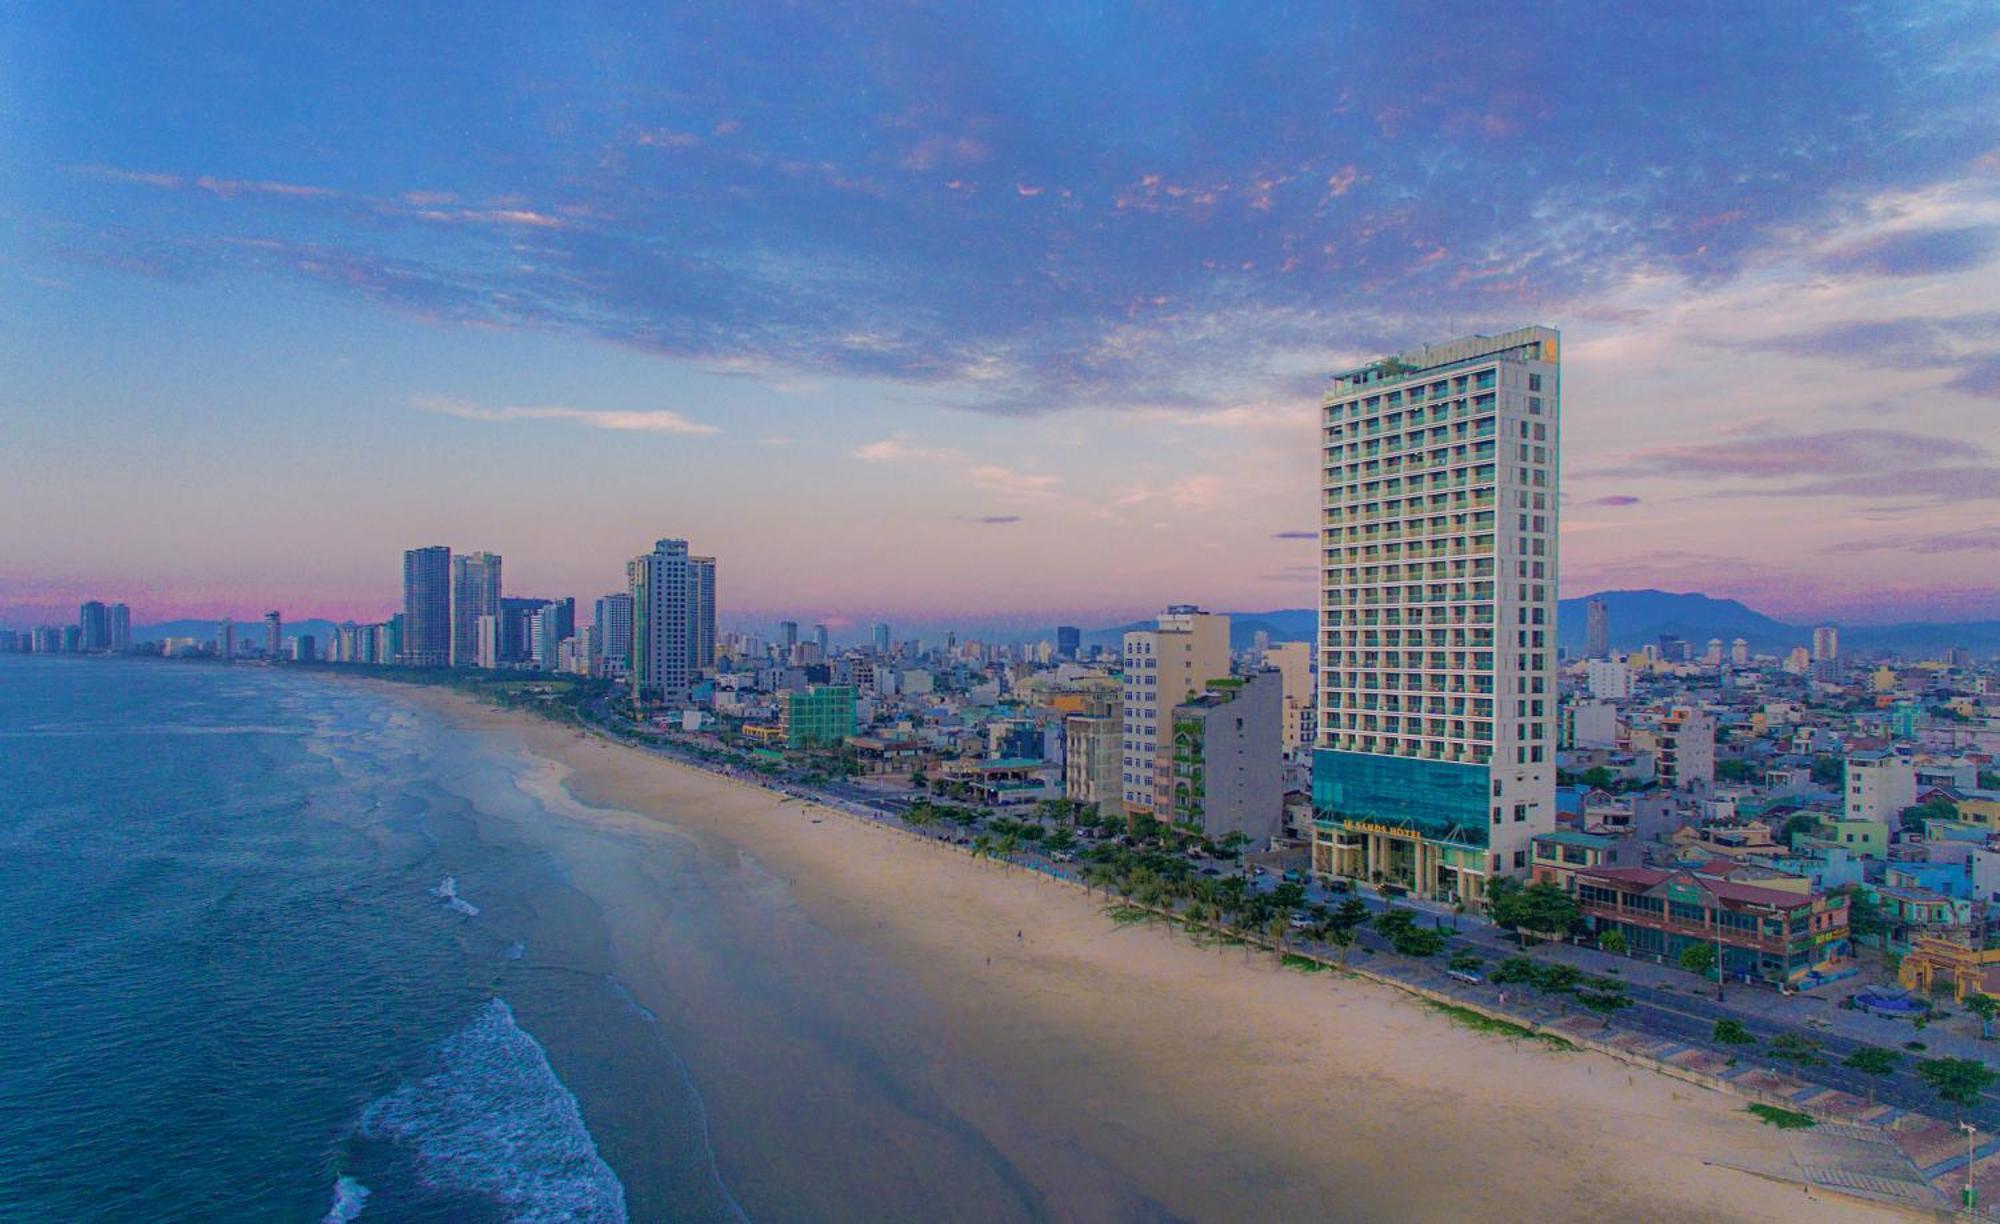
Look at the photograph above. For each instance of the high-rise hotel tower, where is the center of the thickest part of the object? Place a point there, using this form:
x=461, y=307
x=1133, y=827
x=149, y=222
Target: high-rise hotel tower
x=1437, y=709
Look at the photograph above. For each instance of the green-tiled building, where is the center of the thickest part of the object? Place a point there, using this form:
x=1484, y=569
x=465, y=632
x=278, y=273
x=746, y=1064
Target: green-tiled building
x=819, y=717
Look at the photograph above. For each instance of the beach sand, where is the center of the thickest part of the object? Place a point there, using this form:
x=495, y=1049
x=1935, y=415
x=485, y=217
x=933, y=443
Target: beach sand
x=884, y=1028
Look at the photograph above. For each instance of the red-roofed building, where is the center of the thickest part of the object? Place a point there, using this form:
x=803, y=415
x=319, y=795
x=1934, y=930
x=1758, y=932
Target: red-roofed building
x=1771, y=934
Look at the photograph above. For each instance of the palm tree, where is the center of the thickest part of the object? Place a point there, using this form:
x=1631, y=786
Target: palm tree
x=1984, y=1006
x=1275, y=930
x=1341, y=937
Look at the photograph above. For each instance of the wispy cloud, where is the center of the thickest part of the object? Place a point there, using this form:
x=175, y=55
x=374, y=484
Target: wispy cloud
x=990, y=520
x=1295, y=535
x=1971, y=539
x=898, y=448
x=633, y=421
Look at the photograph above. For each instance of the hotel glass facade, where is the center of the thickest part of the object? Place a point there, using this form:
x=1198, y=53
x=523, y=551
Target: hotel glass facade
x=1435, y=762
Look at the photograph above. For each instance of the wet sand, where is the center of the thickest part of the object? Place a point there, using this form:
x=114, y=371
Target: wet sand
x=883, y=1028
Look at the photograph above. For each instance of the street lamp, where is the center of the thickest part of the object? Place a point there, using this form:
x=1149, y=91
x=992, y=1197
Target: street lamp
x=1971, y=1191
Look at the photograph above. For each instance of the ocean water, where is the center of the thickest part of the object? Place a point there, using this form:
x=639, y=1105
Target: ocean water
x=268, y=952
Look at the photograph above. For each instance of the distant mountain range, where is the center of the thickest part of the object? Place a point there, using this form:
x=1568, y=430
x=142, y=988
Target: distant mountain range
x=1637, y=618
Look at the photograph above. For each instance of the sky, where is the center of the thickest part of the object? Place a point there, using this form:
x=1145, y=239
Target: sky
x=932, y=311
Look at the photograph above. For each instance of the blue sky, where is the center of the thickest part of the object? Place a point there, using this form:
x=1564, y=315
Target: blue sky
x=930, y=311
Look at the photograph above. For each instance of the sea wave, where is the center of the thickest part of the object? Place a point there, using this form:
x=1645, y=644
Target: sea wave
x=446, y=891
x=350, y=1197
x=496, y=1121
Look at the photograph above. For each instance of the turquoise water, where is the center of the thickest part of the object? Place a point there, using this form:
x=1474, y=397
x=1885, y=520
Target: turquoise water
x=262, y=957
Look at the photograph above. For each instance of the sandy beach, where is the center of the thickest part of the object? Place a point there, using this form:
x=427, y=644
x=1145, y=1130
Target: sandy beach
x=1098, y=1071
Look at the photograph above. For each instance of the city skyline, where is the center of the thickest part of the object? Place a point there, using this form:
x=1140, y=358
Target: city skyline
x=894, y=291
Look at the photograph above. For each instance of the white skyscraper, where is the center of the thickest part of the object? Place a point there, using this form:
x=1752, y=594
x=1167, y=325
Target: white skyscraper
x=1437, y=723
x=1164, y=667
x=673, y=621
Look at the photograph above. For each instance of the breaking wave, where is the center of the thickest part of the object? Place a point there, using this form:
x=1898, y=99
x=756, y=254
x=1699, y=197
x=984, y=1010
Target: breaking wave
x=349, y=1198
x=495, y=1121
x=447, y=892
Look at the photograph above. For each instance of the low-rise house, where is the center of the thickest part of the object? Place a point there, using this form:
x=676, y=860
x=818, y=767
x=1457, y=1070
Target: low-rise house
x=1769, y=934
x=1556, y=857
x=1911, y=912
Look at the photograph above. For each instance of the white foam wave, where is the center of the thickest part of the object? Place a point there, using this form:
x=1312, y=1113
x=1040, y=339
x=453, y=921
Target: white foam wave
x=350, y=1197
x=496, y=1121
x=446, y=891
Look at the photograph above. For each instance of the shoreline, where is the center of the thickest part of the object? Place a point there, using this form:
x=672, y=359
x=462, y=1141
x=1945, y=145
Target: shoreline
x=1215, y=1081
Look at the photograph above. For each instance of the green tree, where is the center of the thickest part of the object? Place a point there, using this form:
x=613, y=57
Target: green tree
x=1550, y=910
x=1394, y=921
x=1612, y=941
x=1798, y=824
x=1350, y=913
x=1829, y=771
x=1539, y=909
x=1699, y=959
x=1864, y=914
x=1275, y=931
x=1917, y=818
x=1734, y=769
x=1957, y=1080
x=1418, y=941
x=1874, y=1062
x=1984, y=1006
x=1341, y=937
x=1732, y=1032
x=1597, y=777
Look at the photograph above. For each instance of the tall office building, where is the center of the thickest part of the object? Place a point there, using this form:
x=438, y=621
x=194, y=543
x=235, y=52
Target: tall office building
x=1437, y=723
x=663, y=629
x=1068, y=641
x=516, y=629
x=788, y=636
x=486, y=652
x=121, y=628
x=614, y=634
x=475, y=592
x=225, y=638
x=1164, y=667
x=1825, y=644
x=881, y=641
x=274, y=636
x=554, y=624
x=93, y=621
x=701, y=606
x=1293, y=663
x=1599, y=616
x=823, y=640
x=426, y=607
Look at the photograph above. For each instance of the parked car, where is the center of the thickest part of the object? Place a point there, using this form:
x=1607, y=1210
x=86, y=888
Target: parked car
x=1465, y=975
x=1295, y=876
x=1340, y=886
